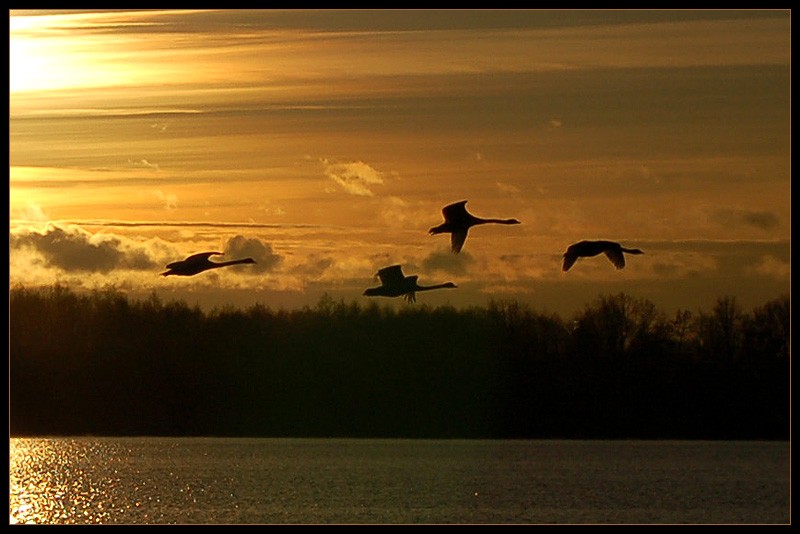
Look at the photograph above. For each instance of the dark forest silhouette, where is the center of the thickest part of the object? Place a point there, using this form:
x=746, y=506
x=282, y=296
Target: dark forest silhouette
x=102, y=364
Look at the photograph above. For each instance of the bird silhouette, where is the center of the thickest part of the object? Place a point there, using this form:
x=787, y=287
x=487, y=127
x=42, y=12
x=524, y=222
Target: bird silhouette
x=394, y=284
x=197, y=263
x=458, y=221
x=586, y=249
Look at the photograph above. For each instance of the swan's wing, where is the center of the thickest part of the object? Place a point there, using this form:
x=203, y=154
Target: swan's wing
x=457, y=240
x=201, y=256
x=616, y=257
x=391, y=276
x=455, y=212
x=569, y=261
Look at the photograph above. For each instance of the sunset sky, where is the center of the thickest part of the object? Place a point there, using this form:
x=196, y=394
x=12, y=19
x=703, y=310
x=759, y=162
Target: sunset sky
x=325, y=143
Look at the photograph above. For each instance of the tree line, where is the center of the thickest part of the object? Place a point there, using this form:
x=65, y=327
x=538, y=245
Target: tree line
x=104, y=364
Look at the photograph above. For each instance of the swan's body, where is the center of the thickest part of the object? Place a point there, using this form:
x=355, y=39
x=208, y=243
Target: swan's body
x=197, y=263
x=458, y=221
x=395, y=284
x=586, y=249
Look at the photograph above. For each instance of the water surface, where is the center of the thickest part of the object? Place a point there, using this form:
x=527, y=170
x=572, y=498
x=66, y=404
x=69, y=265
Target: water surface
x=235, y=481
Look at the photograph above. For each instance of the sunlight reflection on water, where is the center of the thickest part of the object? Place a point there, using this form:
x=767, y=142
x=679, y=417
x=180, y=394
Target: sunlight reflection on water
x=277, y=481
x=56, y=481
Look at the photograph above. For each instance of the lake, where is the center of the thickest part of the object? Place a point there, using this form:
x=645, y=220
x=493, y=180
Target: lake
x=389, y=481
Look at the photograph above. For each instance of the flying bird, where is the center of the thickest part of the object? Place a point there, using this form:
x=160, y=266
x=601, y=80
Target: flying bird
x=394, y=284
x=458, y=221
x=197, y=263
x=587, y=249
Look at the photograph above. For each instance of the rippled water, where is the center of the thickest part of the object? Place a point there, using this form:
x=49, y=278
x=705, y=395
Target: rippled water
x=235, y=481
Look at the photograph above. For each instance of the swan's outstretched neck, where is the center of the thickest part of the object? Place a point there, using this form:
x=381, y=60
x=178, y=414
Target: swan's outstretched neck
x=446, y=285
x=499, y=221
x=234, y=262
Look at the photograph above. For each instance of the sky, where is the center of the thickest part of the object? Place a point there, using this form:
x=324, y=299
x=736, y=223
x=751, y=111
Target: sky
x=324, y=144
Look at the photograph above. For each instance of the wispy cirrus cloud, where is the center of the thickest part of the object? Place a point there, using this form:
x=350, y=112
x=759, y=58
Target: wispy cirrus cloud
x=170, y=200
x=30, y=212
x=355, y=177
x=447, y=262
x=763, y=220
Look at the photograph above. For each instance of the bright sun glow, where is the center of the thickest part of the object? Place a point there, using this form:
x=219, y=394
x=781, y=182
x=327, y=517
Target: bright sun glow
x=52, y=52
x=77, y=51
x=33, y=62
x=44, y=54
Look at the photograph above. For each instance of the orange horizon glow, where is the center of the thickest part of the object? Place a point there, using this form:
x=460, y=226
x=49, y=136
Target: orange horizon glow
x=334, y=139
